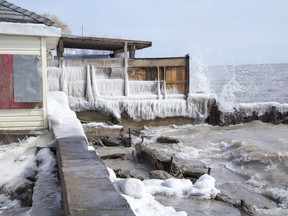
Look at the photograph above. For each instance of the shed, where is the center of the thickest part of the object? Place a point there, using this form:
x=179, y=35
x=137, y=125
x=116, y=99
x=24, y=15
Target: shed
x=25, y=41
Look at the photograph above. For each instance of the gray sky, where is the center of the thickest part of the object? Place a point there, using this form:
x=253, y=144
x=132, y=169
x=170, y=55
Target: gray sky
x=215, y=31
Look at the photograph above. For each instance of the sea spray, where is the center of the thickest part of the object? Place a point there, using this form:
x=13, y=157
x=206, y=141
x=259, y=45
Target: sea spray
x=227, y=99
x=199, y=82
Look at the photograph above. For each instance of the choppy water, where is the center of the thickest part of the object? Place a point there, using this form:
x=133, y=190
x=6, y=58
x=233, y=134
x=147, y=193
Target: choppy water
x=235, y=84
x=256, y=151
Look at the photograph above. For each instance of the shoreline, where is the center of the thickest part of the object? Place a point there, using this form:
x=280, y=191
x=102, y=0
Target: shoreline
x=227, y=198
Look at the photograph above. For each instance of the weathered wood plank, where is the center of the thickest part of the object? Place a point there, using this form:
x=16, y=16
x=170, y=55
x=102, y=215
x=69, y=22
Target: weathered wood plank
x=164, y=62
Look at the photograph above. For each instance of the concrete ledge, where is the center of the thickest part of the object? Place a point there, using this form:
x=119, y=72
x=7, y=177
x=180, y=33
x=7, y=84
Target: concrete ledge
x=86, y=187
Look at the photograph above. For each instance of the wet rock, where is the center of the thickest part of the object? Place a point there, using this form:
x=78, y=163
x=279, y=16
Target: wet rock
x=110, y=141
x=114, y=156
x=125, y=142
x=159, y=174
x=166, y=140
x=285, y=120
x=23, y=193
x=176, y=167
x=243, y=198
x=127, y=174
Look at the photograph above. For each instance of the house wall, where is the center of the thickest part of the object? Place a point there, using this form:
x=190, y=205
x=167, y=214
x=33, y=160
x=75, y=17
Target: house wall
x=24, y=116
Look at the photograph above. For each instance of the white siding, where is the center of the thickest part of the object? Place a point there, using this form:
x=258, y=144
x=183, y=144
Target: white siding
x=20, y=45
x=25, y=119
x=45, y=81
x=21, y=119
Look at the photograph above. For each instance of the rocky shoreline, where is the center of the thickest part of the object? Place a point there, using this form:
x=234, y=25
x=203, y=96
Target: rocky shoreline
x=162, y=166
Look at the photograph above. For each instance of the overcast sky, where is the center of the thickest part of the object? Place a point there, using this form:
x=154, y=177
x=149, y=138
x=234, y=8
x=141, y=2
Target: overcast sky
x=216, y=31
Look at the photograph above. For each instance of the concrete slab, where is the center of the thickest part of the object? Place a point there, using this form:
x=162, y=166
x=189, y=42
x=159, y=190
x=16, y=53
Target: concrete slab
x=103, y=212
x=74, y=149
x=88, y=193
x=86, y=188
x=91, y=168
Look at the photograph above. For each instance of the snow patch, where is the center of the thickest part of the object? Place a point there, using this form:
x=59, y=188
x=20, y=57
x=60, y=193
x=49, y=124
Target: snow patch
x=63, y=120
x=140, y=194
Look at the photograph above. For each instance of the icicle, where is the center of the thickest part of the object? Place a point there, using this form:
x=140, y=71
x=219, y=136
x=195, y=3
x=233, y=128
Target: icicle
x=164, y=90
x=94, y=83
x=89, y=93
x=64, y=85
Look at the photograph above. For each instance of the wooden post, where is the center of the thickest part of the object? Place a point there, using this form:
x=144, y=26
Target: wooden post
x=126, y=84
x=158, y=83
x=209, y=170
x=129, y=131
x=187, y=74
x=60, y=52
x=164, y=83
x=132, y=51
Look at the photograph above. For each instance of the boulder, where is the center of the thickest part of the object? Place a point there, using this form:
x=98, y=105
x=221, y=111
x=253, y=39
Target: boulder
x=120, y=173
x=166, y=140
x=111, y=141
x=160, y=174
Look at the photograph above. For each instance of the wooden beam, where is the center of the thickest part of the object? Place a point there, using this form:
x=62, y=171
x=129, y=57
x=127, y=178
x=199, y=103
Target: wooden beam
x=187, y=74
x=126, y=84
x=132, y=51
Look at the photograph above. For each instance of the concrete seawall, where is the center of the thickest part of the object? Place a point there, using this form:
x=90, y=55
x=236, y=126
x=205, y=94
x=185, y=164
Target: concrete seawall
x=86, y=188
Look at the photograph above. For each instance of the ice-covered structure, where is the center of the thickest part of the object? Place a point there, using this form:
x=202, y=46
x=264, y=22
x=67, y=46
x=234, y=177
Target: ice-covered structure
x=144, y=88
x=89, y=88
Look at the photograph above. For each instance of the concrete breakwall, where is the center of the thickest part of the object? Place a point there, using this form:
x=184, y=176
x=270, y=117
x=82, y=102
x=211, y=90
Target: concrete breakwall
x=86, y=188
x=266, y=112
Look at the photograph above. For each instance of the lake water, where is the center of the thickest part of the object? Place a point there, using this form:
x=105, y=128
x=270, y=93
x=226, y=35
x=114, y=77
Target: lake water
x=254, y=155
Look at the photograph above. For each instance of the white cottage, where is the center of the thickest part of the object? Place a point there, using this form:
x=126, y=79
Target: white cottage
x=25, y=41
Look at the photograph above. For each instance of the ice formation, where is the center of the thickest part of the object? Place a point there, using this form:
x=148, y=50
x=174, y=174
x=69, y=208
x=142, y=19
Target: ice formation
x=144, y=99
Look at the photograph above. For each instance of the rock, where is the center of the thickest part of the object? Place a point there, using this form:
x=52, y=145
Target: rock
x=159, y=174
x=125, y=142
x=176, y=167
x=285, y=120
x=166, y=140
x=110, y=141
x=243, y=198
x=115, y=156
x=127, y=174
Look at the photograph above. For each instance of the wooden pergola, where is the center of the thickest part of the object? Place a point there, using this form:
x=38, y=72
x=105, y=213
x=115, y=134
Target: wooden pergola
x=96, y=43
